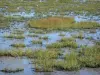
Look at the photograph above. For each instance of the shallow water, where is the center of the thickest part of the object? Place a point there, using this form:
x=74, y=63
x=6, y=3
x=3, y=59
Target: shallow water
x=10, y=62
x=20, y=14
x=13, y=63
x=80, y=72
x=53, y=37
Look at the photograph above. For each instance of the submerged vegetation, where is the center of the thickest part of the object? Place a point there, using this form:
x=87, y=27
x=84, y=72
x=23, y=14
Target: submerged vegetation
x=47, y=60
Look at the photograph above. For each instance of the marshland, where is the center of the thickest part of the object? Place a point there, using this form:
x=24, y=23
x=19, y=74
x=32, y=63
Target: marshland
x=49, y=37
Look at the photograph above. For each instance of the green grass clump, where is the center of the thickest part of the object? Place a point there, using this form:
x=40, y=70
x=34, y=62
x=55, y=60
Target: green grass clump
x=9, y=70
x=91, y=57
x=80, y=35
x=16, y=53
x=64, y=39
x=18, y=45
x=45, y=60
x=12, y=53
x=44, y=65
x=4, y=53
x=29, y=53
x=64, y=42
x=63, y=45
x=4, y=22
x=46, y=54
x=44, y=37
x=60, y=23
x=37, y=41
x=70, y=62
x=87, y=25
x=98, y=43
x=14, y=36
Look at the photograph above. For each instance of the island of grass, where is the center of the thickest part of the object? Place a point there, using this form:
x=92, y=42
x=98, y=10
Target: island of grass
x=7, y=70
x=60, y=23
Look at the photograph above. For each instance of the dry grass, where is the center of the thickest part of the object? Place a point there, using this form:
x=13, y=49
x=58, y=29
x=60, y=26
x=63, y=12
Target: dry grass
x=51, y=22
x=60, y=23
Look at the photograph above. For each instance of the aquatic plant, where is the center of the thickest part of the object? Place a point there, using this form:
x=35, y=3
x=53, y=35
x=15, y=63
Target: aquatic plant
x=10, y=70
x=16, y=53
x=90, y=57
x=44, y=65
x=37, y=41
x=64, y=42
x=69, y=63
x=45, y=60
x=64, y=39
x=15, y=36
x=80, y=35
x=44, y=37
x=18, y=45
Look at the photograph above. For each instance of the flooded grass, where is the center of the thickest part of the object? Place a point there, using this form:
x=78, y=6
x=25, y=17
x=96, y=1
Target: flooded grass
x=12, y=53
x=33, y=35
x=63, y=43
x=70, y=62
x=52, y=37
x=64, y=39
x=14, y=36
x=80, y=35
x=44, y=37
x=37, y=41
x=18, y=45
x=38, y=31
x=90, y=57
x=9, y=70
x=45, y=60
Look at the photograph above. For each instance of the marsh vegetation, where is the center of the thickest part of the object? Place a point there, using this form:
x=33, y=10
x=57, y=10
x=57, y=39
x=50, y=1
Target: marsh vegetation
x=44, y=36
